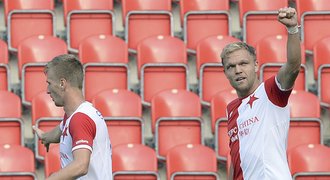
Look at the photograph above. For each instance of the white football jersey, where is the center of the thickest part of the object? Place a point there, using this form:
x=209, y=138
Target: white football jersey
x=86, y=128
x=258, y=128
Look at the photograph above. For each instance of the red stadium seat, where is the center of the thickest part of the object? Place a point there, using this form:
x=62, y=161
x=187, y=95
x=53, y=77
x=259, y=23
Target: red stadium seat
x=4, y=67
x=313, y=15
x=11, y=124
x=191, y=161
x=52, y=160
x=218, y=107
x=322, y=70
x=122, y=111
x=33, y=53
x=196, y=15
x=309, y=162
x=16, y=162
x=23, y=16
x=176, y=119
x=256, y=15
x=105, y=59
x=134, y=161
x=45, y=115
x=144, y=18
x=305, y=124
x=212, y=79
x=162, y=64
x=84, y=18
x=271, y=54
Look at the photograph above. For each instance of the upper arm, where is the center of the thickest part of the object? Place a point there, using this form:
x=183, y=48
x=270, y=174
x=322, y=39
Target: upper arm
x=82, y=157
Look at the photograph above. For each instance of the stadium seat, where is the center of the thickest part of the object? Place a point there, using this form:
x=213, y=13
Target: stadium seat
x=144, y=18
x=52, y=160
x=23, y=16
x=211, y=77
x=321, y=61
x=105, y=59
x=191, y=161
x=84, y=18
x=122, y=111
x=162, y=64
x=271, y=53
x=45, y=115
x=305, y=124
x=33, y=53
x=176, y=119
x=4, y=67
x=11, y=124
x=309, y=162
x=16, y=162
x=313, y=15
x=134, y=161
x=219, y=125
x=196, y=15
x=256, y=15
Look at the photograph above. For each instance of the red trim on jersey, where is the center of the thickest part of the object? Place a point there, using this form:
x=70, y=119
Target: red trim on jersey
x=82, y=129
x=232, y=114
x=275, y=94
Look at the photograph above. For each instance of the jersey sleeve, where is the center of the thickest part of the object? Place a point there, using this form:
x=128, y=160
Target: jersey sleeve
x=83, y=131
x=275, y=94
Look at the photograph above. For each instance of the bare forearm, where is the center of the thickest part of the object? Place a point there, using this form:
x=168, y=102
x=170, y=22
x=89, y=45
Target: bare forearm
x=54, y=135
x=294, y=52
x=72, y=171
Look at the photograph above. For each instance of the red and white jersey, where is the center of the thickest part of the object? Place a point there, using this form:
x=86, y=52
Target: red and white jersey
x=86, y=128
x=258, y=128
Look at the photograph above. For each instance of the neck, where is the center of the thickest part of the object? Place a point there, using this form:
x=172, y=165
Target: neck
x=73, y=99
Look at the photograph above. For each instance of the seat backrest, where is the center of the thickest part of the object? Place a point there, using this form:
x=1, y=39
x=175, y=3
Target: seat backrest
x=43, y=107
x=309, y=158
x=103, y=49
x=300, y=109
x=4, y=66
x=303, y=6
x=41, y=48
x=138, y=159
x=191, y=158
x=52, y=160
x=16, y=158
x=10, y=106
x=3, y=52
x=321, y=55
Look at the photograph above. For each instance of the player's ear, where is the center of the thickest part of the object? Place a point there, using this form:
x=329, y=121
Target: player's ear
x=256, y=66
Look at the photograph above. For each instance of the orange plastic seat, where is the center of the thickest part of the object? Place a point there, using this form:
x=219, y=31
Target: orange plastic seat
x=162, y=64
x=105, y=59
x=196, y=15
x=258, y=15
x=16, y=162
x=11, y=124
x=4, y=67
x=45, y=115
x=122, y=111
x=219, y=123
x=84, y=18
x=322, y=70
x=309, y=162
x=305, y=124
x=313, y=15
x=52, y=160
x=191, y=161
x=210, y=72
x=271, y=53
x=176, y=119
x=144, y=18
x=33, y=54
x=134, y=161
x=23, y=16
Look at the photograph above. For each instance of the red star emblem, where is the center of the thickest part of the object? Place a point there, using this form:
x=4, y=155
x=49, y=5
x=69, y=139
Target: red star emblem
x=252, y=99
x=64, y=133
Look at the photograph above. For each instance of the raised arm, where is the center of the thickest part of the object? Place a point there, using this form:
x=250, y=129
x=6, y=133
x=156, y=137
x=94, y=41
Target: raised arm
x=290, y=70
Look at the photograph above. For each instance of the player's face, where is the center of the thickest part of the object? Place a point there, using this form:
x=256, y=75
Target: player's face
x=241, y=71
x=54, y=89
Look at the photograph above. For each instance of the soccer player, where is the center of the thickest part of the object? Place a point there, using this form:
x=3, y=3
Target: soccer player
x=85, y=148
x=258, y=121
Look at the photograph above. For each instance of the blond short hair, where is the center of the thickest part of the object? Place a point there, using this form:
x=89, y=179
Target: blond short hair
x=232, y=47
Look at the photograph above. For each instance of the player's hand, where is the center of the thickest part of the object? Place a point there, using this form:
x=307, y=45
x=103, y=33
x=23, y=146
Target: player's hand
x=287, y=16
x=41, y=136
